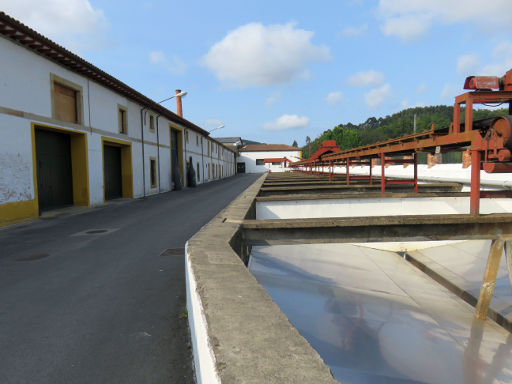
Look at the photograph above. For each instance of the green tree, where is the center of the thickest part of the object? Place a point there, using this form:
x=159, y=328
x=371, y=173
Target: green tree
x=295, y=144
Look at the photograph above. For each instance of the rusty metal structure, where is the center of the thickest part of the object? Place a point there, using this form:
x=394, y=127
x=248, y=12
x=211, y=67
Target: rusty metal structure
x=488, y=140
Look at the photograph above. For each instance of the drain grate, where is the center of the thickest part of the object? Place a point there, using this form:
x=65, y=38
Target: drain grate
x=173, y=252
x=95, y=231
x=37, y=256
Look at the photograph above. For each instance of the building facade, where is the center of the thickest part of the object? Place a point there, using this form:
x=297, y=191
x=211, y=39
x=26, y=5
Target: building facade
x=259, y=158
x=70, y=134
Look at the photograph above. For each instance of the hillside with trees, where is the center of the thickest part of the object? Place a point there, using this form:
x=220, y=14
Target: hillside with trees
x=398, y=124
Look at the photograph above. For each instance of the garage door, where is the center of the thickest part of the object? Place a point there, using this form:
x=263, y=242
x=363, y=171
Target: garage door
x=54, y=177
x=112, y=172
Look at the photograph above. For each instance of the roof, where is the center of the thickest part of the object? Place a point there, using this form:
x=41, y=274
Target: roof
x=229, y=140
x=275, y=160
x=268, y=147
x=21, y=34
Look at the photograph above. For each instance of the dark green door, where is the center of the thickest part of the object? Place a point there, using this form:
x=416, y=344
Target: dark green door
x=112, y=177
x=54, y=177
x=240, y=167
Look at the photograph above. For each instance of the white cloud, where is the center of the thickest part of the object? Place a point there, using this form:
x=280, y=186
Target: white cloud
x=72, y=23
x=377, y=96
x=450, y=91
x=467, y=64
x=404, y=104
x=365, y=79
x=286, y=122
x=422, y=88
x=259, y=55
x=502, y=53
x=353, y=31
x=213, y=123
x=409, y=20
x=334, y=98
x=408, y=28
x=273, y=98
x=174, y=65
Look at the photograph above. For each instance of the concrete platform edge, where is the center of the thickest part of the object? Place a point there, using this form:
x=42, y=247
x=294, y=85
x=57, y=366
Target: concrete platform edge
x=239, y=334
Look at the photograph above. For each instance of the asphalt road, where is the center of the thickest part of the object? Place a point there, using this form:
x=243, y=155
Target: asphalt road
x=103, y=307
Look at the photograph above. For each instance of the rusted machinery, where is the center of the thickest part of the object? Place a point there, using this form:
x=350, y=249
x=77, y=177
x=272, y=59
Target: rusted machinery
x=489, y=141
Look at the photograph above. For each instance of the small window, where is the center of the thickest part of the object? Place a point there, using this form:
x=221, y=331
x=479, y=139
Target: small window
x=276, y=163
x=208, y=166
x=152, y=123
x=152, y=172
x=198, y=177
x=259, y=162
x=66, y=100
x=197, y=140
x=186, y=136
x=123, y=124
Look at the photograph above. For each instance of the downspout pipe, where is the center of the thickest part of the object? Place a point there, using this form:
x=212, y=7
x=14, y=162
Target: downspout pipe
x=202, y=155
x=142, y=115
x=158, y=151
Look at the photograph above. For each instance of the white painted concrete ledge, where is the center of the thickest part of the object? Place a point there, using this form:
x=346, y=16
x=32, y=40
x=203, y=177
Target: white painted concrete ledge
x=204, y=358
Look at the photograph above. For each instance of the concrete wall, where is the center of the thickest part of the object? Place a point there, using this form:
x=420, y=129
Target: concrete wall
x=385, y=206
x=25, y=101
x=249, y=158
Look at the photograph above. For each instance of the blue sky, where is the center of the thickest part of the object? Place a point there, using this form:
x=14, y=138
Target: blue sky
x=278, y=71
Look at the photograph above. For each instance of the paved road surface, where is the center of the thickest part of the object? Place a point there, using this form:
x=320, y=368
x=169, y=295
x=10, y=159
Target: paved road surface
x=104, y=307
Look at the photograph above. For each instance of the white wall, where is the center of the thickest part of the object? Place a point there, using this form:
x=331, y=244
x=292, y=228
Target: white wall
x=249, y=158
x=25, y=99
x=362, y=207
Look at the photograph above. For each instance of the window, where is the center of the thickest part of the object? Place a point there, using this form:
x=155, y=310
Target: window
x=66, y=100
x=208, y=151
x=259, y=162
x=208, y=166
x=186, y=136
x=152, y=172
x=276, y=163
x=197, y=139
x=152, y=123
x=198, y=177
x=121, y=118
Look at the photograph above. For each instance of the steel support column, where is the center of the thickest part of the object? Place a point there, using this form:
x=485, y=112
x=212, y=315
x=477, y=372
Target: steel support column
x=508, y=255
x=474, y=204
x=489, y=281
x=347, y=163
x=415, y=172
x=382, y=173
x=371, y=177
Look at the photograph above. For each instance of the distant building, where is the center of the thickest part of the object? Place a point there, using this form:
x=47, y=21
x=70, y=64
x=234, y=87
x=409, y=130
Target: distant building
x=261, y=158
x=233, y=143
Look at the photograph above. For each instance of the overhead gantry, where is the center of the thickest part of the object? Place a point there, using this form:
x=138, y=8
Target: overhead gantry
x=489, y=142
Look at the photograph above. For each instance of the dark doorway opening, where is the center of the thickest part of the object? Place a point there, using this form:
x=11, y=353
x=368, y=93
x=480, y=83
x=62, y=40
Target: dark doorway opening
x=112, y=172
x=54, y=171
x=240, y=167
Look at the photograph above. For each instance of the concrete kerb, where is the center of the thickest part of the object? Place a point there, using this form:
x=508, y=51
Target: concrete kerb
x=239, y=335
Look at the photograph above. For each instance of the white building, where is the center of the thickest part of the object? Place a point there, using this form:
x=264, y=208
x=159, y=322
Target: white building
x=260, y=158
x=70, y=134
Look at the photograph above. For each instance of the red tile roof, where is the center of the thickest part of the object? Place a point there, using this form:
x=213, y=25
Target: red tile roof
x=268, y=147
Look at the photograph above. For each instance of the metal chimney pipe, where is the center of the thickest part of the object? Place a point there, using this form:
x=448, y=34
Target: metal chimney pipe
x=179, y=108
